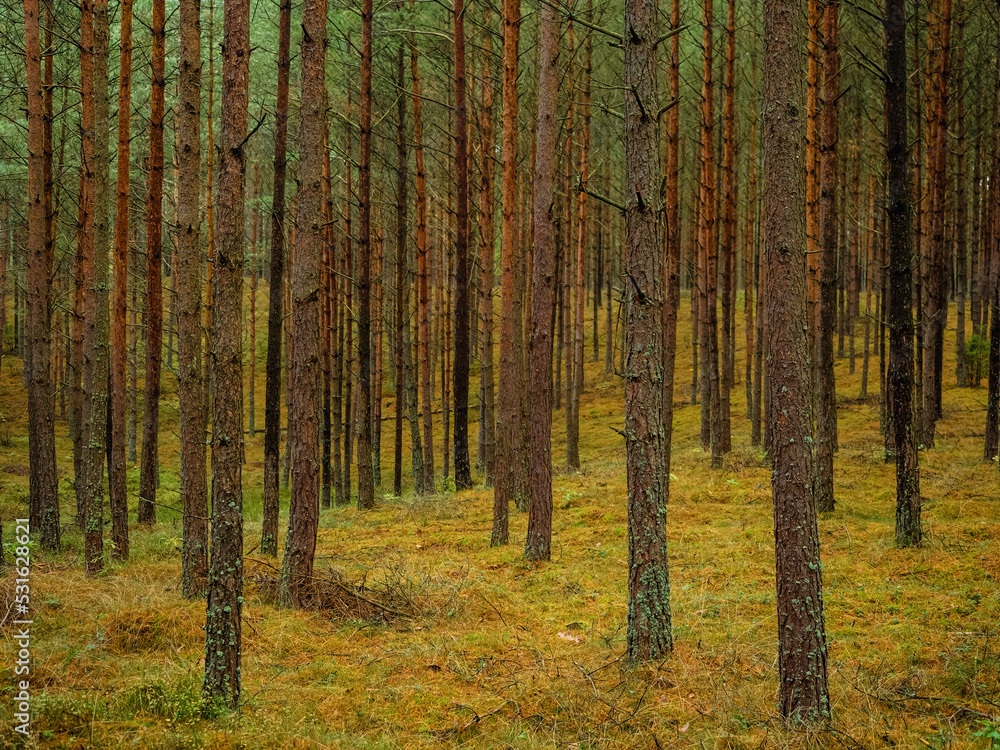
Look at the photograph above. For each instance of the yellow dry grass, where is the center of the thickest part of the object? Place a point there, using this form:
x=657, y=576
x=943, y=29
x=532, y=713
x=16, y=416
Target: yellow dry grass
x=500, y=653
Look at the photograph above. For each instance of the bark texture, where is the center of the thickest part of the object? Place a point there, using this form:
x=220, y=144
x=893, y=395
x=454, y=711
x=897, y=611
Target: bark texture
x=648, y=636
x=272, y=386
x=803, y=689
x=194, y=482
x=539, y=542
x=223, y=627
x=307, y=294
x=899, y=378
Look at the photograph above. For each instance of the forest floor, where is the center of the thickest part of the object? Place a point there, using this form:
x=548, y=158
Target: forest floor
x=485, y=650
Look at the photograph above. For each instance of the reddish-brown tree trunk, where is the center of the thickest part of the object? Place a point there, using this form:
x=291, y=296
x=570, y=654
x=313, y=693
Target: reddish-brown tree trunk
x=460, y=371
x=210, y=213
x=194, y=483
x=307, y=292
x=813, y=88
x=344, y=492
x=223, y=627
x=712, y=419
x=803, y=689
x=116, y=467
x=723, y=419
x=539, y=541
x=44, y=497
x=272, y=386
x=511, y=463
x=935, y=302
x=487, y=241
x=366, y=488
x=961, y=198
x=149, y=468
x=579, y=265
x=648, y=635
x=426, y=482
x=826, y=313
x=899, y=378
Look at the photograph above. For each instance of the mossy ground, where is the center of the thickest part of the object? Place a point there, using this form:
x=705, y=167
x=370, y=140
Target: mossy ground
x=507, y=654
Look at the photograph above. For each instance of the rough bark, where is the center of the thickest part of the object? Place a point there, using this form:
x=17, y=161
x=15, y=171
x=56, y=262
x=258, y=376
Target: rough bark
x=935, y=302
x=803, y=688
x=899, y=377
x=826, y=312
x=512, y=464
x=992, y=292
x=307, y=293
x=194, y=483
x=648, y=636
x=272, y=386
x=579, y=265
x=116, y=466
x=366, y=480
x=149, y=468
x=223, y=626
x=253, y=264
x=460, y=370
x=961, y=198
x=426, y=482
x=487, y=425
x=539, y=539
x=43, y=490
x=728, y=245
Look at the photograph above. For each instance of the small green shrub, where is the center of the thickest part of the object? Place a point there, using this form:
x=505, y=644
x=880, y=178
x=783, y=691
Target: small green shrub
x=179, y=703
x=977, y=359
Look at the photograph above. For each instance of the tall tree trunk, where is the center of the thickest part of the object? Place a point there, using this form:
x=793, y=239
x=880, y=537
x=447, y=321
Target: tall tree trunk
x=425, y=483
x=326, y=317
x=344, y=492
x=649, y=634
x=44, y=496
x=210, y=214
x=94, y=345
x=132, y=417
x=366, y=486
x=194, y=483
x=870, y=244
x=487, y=424
x=976, y=255
x=992, y=441
x=899, y=378
x=826, y=393
x=5, y=243
x=149, y=461
x=803, y=689
x=223, y=627
x=729, y=198
x=377, y=313
x=813, y=136
x=511, y=462
x=460, y=371
x=254, y=261
x=117, y=493
x=400, y=309
x=579, y=291
x=961, y=199
x=749, y=266
x=672, y=234
x=935, y=303
x=272, y=386
x=307, y=292
x=710, y=392
x=539, y=541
